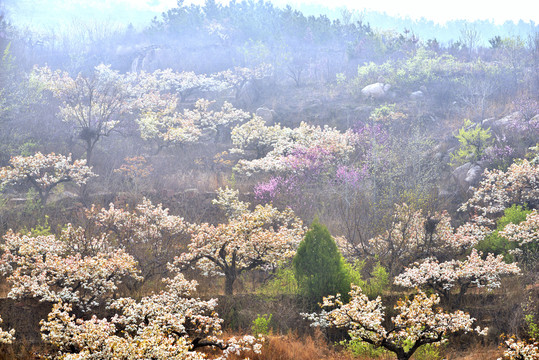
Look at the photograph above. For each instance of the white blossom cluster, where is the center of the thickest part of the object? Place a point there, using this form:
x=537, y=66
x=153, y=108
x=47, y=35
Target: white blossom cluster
x=256, y=135
x=167, y=81
x=414, y=236
x=42, y=267
x=227, y=199
x=168, y=325
x=417, y=322
x=500, y=189
x=472, y=272
x=148, y=233
x=168, y=126
x=239, y=76
x=44, y=172
x=279, y=146
x=527, y=232
x=94, y=103
x=261, y=238
x=6, y=337
x=520, y=350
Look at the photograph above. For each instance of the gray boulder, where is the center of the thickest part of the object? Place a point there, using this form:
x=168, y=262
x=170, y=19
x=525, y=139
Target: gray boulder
x=266, y=114
x=417, y=95
x=376, y=90
x=468, y=175
x=503, y=127
x=248, y=94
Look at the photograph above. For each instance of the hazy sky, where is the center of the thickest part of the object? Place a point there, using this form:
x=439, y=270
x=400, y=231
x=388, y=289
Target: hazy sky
x=439, y=11
x=436, y=10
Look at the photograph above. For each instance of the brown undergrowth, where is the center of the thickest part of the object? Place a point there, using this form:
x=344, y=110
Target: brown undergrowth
x=315, y=347
x=281, y=347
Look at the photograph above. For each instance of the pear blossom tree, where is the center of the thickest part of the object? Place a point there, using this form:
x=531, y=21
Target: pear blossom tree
x=95, y=105
x=261, y=238
x=148, y=233
x=417, y=322
x=237, y=77
x=500, y=189
x=6, y=337
x=462, y=275
x=520, y=349
x=162, y=123
x=524, y=233
x=412, y=236
x=255, y=136
x=290, y=147
x=42, y=267
x=182, y=84
x=297, y=164
x=168, y=325
x=45, y=172
x=526, y=236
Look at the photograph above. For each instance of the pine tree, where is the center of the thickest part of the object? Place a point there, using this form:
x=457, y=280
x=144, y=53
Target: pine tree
x=319, y=267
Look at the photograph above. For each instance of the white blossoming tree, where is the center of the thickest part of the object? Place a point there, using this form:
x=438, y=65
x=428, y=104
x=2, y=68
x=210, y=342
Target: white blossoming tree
x=148, y=233
x=499, y=189
x=261, y=238
x=520, y=349
x=45, y=172
x=462, y=275
x=285, y=149
x=413, y=236
x=169, y=325
x=255, y=136
x=42, y=267
x=526, y=236
x=418, y=322
x=237, y=77
x=6, y=337
x=183, y=84
x=95, y=105
x=161, y=123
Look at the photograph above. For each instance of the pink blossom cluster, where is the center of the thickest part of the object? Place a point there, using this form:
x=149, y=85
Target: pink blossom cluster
x=351, y=176
x=268, y=190
x=300, y=148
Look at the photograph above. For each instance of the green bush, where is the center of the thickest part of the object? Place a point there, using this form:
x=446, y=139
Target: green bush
x=375, y=285
x=261, y=324
x=283, y=282
x=319, y=267
x=473, y=141
x=428, y=352
x=497, y=244
x=361, y=348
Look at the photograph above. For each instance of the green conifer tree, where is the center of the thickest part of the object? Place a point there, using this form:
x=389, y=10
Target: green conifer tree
x=319, y=267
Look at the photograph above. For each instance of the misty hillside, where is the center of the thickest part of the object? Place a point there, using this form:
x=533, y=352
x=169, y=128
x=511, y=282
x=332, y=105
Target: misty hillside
x=201, y=181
